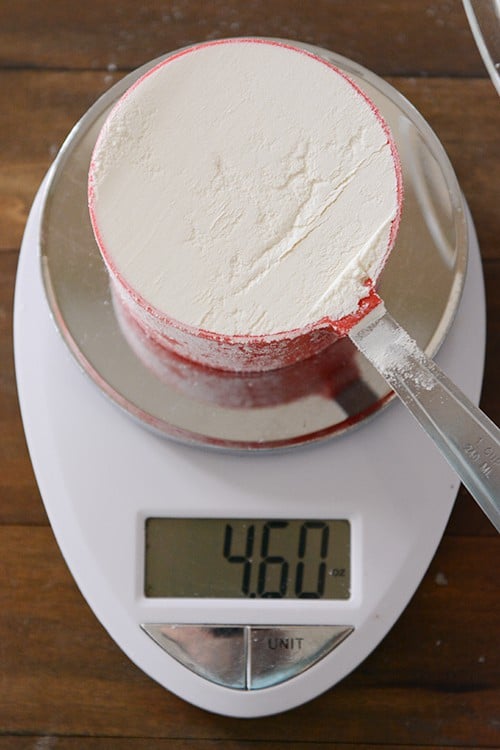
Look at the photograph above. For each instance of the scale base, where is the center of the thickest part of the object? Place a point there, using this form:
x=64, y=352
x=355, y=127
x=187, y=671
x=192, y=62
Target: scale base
x=101, y=475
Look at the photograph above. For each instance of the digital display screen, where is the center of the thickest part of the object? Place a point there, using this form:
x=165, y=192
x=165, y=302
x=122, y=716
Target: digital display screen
x=247, y=558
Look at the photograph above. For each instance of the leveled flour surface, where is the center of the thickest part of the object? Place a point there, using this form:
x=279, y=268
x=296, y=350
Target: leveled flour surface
x=245, y=188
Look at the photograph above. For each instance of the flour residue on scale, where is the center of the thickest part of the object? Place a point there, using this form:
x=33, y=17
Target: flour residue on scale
x=392, y=350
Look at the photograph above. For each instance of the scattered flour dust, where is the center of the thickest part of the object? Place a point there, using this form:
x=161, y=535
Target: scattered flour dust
x=45, y=743
x=441, y=579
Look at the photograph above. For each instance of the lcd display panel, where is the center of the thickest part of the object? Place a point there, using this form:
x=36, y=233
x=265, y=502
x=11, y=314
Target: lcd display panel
x=248, y=558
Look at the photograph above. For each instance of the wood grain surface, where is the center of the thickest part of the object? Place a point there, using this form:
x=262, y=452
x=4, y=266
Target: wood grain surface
x=434, y=680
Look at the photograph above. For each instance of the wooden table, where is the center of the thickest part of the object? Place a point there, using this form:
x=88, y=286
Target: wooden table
x=434, y=680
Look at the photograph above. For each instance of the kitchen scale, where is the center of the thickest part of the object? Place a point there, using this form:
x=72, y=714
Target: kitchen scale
x=250, y=578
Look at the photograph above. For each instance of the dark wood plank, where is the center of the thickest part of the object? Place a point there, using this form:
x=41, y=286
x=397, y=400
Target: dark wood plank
x=18, y=185
x=38, y=111
x=490, y=397
x=47, y=742
x=407, y=37
x=41, y=108
x=99, y=743
x=432, y=681
x=19, y=496
x=467, y=518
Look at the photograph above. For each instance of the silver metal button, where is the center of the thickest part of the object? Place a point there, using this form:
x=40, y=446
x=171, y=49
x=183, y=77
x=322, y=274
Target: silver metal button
x=279, y=653
x=217, y=653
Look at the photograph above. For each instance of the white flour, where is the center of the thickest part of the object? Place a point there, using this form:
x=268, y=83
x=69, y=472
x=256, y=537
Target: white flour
x=245, y=188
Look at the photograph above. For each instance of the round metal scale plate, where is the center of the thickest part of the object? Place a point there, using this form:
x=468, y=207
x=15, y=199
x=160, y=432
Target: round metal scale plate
x=323, y=396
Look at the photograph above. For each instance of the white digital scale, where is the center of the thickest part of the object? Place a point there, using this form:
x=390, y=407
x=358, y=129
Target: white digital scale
x=241, y=542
